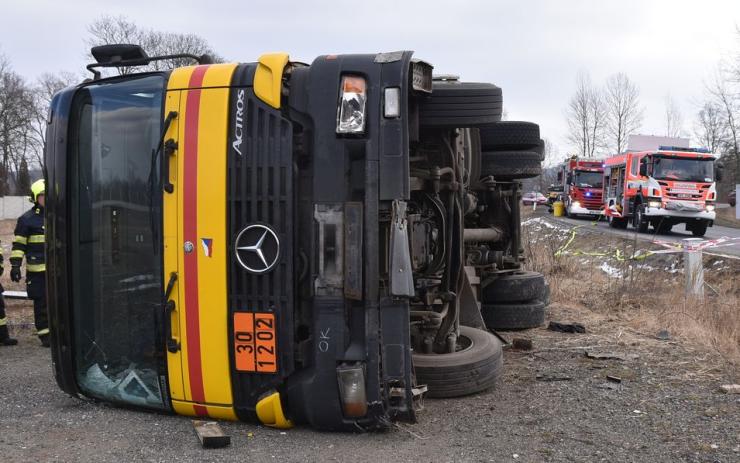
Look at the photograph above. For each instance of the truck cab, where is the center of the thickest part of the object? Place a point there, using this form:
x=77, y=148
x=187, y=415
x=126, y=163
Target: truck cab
x=582, y=182
x=662, y=188
x=275, y=241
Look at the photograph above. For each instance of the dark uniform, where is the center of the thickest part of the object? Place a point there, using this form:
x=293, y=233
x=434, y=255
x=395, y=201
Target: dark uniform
x=5, y=339
x=29, y=242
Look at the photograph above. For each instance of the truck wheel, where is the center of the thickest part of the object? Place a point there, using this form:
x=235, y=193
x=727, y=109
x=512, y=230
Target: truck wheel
x=515, y=316
x=617, y=222
x=639, y=219
x=510, y=136
x=511, y=165
x=461, y=104
x=699, y=228
x=516, y=287
x=474, y=368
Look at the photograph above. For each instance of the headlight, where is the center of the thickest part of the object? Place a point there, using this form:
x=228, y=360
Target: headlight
x=351, y=110
x=710, y=207
x=352, y=390
x=575, y=204
x=654, y=204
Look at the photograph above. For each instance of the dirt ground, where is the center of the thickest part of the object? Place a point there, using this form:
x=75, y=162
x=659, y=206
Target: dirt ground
x=553, y=404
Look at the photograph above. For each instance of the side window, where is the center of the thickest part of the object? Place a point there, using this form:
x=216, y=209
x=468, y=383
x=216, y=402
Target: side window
x=635, y=166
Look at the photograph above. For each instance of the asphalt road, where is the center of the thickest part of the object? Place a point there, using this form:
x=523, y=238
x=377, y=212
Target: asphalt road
x=678, y=233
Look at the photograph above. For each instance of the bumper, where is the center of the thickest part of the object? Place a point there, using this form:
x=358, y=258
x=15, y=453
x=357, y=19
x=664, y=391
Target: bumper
x=661, y=212
x=573, y=209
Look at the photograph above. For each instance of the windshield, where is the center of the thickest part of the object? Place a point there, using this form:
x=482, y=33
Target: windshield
x=686, y=169
x=116, y=259
x=585, y=179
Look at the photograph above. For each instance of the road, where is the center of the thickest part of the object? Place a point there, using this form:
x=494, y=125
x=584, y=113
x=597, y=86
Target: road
x=676, y=235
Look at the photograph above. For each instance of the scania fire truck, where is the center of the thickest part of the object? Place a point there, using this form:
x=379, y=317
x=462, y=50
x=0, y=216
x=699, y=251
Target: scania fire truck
x=581, y=182
x=662, y=188
x=283, y=242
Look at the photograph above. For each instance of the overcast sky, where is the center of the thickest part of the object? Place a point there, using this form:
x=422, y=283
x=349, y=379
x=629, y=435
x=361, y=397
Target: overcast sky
x=532, y=49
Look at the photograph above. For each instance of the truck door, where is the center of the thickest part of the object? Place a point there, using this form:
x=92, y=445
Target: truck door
x=196, y=241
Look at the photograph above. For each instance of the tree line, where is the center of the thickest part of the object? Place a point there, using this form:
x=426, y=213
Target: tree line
x=24, y=103
x=601, y=118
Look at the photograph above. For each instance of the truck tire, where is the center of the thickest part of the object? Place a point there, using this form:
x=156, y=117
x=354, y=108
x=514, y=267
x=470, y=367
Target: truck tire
x=617, y=222
x=511, y=165
x=640, y=223
x=477, y=367
x=699, y=228
x=515, y=316
x=461, y=104
x=516, y=287
x=510, y=136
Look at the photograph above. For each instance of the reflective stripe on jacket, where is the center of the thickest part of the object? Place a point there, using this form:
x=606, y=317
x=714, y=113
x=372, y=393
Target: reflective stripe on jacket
x=29, y=240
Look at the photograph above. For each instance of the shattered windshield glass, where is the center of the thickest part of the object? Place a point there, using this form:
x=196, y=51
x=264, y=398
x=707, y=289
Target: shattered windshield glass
x=116, y=257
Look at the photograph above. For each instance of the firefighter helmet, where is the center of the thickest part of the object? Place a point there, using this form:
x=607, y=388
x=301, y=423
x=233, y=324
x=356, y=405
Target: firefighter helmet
x=37, y=188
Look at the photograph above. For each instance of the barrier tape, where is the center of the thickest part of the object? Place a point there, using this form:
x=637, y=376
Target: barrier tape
x=642, y=254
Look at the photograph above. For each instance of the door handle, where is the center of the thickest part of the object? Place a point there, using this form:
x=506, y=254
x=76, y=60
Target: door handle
x=173, y=345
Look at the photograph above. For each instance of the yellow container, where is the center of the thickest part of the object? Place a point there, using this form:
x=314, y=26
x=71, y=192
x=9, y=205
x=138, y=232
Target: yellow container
x=558, y=208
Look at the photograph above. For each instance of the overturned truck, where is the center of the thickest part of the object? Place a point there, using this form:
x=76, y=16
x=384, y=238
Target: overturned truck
x=284, y=242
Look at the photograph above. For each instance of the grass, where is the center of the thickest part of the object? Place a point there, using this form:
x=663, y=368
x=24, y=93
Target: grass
x=648, y=294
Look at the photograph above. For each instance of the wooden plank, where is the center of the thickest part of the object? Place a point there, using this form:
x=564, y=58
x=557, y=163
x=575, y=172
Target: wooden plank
x=210, y=434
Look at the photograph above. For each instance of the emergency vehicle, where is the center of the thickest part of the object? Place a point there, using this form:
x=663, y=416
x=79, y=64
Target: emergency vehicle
x=581, y=182
x=662, y=188
x=282, y=242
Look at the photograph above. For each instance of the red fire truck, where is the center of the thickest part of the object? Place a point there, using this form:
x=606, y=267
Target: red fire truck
x=582, y=183
x=661, y=188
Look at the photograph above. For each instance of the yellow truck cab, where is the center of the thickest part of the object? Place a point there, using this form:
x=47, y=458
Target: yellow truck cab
x=275, y=241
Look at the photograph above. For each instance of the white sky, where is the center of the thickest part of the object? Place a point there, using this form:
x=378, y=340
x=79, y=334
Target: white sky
x=533, y=49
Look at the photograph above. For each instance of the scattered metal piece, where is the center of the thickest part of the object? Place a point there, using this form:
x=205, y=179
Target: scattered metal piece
x=566, y=327
x=210, y=434
x=614, y=379
x=552, y=377
x=522, y=343
x=609, y=386
x=663, y=335
x=730, y=388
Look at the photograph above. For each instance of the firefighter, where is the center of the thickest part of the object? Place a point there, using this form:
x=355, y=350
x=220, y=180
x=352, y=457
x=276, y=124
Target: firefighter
x=5, y=339
x=29, y=242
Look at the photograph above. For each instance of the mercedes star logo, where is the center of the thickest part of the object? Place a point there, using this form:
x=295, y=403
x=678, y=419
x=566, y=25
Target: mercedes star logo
x=257, y=248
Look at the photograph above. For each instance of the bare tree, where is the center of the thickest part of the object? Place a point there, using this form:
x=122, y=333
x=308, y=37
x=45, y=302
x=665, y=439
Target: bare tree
x=586, y=117
x=623, y=112
x=719, y=88
x=16, y=114
x=711, y=127
x=108, y=30
x=673, y=118
x=46, y=87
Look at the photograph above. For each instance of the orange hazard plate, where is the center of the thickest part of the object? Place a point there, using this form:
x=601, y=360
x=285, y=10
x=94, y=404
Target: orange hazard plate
x=255, y=347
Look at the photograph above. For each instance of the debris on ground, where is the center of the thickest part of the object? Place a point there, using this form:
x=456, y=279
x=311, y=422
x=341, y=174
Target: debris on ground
x=522, y=343
x=730, y=388
x=610, y=356
x=614, y=379
x=566, y=327
x=210, y=434
x=663, y=335
x=547, y=377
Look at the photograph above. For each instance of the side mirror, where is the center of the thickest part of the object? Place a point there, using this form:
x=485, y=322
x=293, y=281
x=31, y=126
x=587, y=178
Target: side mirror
x=643, y=169
x=569, y=179
x=560, y=177
x=718, y=174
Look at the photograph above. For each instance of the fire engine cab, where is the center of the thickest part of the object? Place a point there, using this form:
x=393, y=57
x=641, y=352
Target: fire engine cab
x=661, y=188
x=582, y=183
